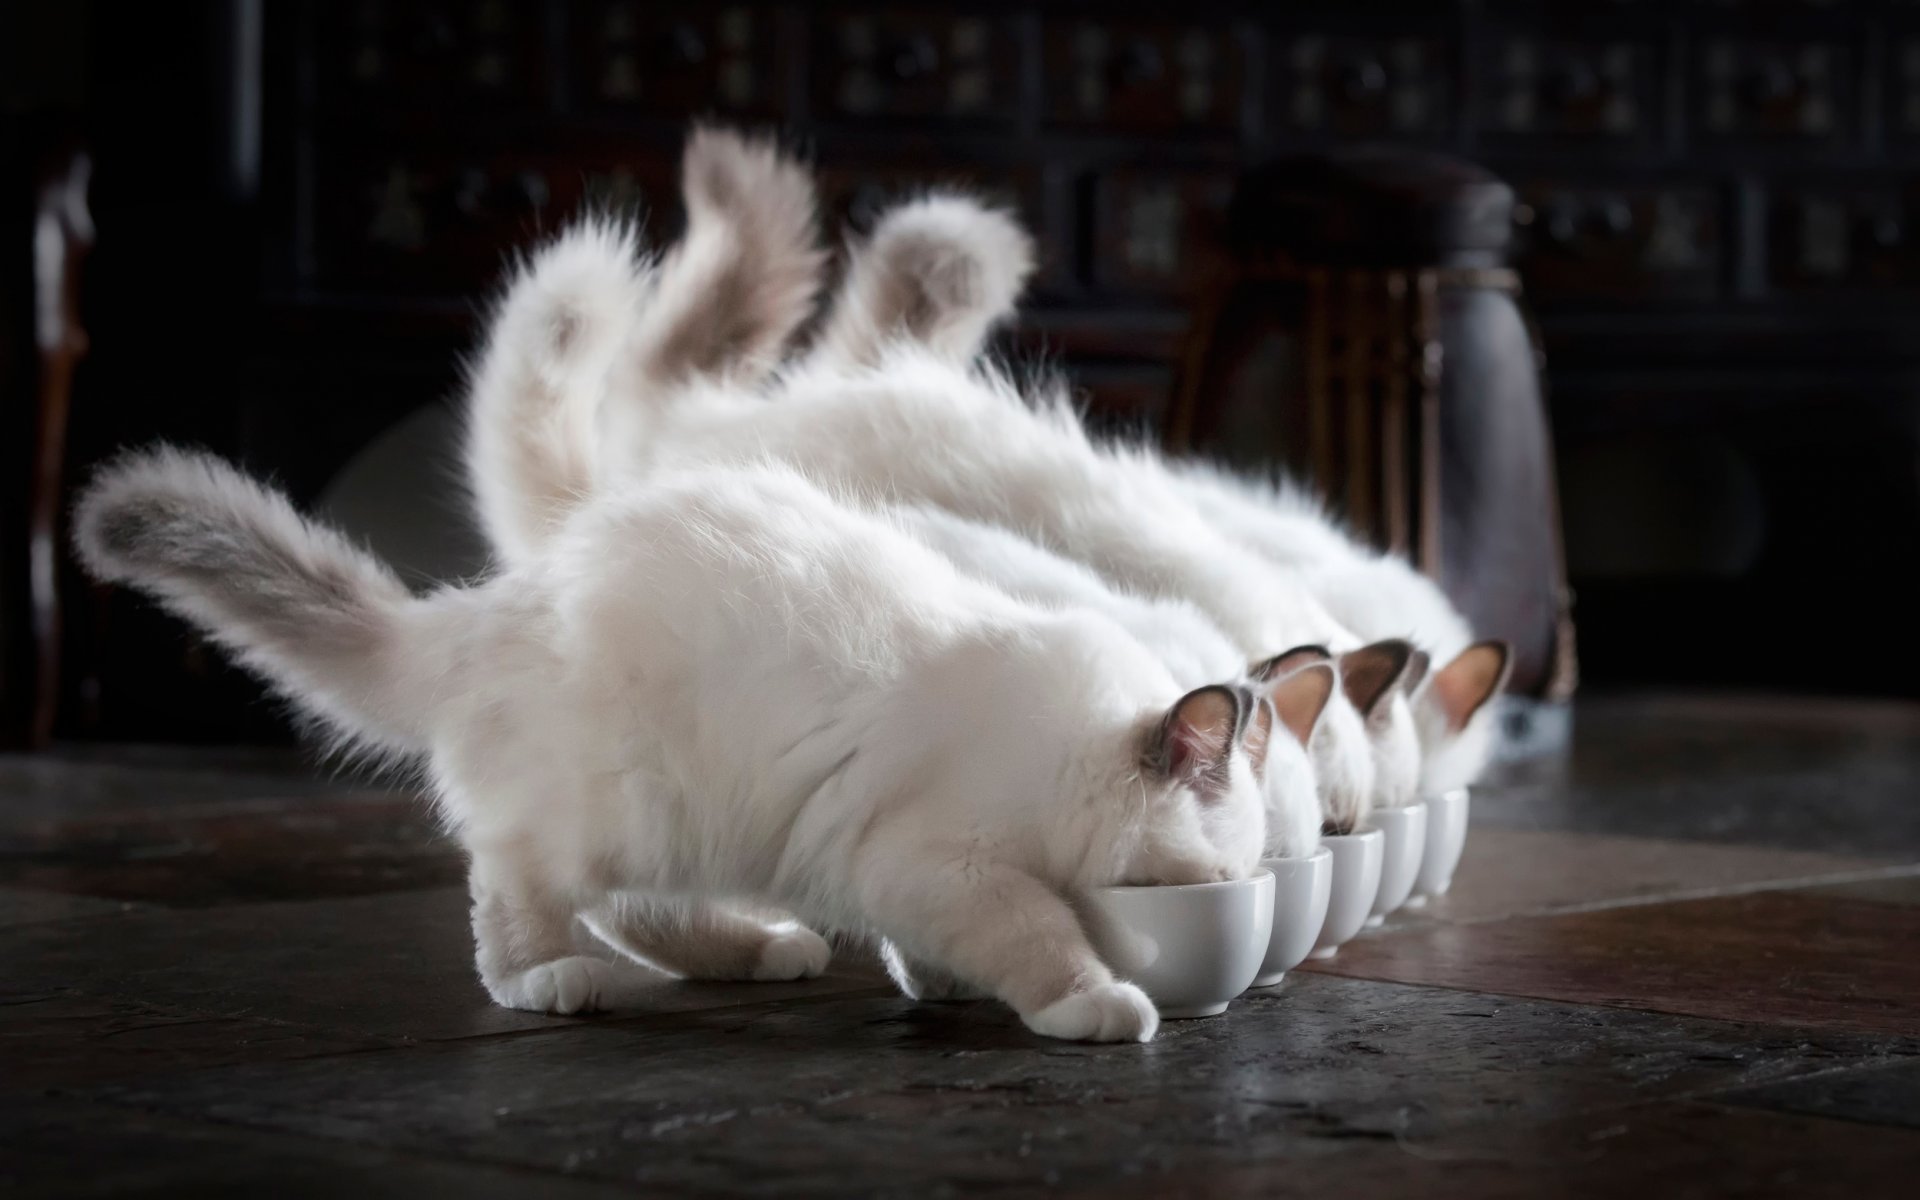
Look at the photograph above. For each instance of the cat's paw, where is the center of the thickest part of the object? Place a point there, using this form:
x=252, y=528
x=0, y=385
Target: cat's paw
x=792, y=953
x=565, y=986
x=1111, y=1012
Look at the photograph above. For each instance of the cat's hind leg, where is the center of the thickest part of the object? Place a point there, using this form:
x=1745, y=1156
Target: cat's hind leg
x=523, y=945
x=704, y=940
x=921, y=980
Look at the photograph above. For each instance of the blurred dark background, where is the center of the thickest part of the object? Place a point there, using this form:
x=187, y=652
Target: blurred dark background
x=300, y=207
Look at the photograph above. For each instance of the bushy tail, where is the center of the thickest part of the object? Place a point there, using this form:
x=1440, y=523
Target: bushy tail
x=743, y=278
x=587, y=319
x=939, y=271
x=534, y=396
x=322, y=620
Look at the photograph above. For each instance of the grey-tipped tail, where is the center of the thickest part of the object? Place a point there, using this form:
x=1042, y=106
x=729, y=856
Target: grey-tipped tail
x=300, y=604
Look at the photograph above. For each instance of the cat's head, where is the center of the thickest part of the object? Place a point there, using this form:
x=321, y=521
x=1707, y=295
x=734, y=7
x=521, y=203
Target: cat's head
x=1297, y=697
x=1199, y=765
x=1455, y=720
x=1340, y=748
x=1381, y=679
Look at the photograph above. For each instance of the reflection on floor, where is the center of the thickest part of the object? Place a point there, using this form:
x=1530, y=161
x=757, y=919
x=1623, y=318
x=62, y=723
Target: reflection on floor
x=1683, y=957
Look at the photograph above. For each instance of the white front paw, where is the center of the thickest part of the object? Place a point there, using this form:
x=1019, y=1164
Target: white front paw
x=792, y=953
x=1111, y=1012
x=566, y=985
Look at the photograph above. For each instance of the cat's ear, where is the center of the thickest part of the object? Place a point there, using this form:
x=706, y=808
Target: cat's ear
x=1470, y=680
x=1368, y=674
x=1195, y=741
x=1416, y=673
x=1288, y=660
x=1299, y=699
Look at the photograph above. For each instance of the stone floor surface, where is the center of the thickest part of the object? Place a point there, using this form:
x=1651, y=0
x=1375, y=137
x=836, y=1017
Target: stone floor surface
x=1684, y=960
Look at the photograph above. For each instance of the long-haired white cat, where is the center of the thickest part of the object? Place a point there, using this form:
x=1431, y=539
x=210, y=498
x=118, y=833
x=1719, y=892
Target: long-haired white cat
x=916, y=428
x=538, y=391
x=727, y=685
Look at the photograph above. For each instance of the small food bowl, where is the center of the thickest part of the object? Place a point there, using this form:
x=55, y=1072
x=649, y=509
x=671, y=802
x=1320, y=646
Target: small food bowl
x=1301, y=888
x=1405, y=830
x=1191, y=947
x=1356, y=881
x=1446, y=838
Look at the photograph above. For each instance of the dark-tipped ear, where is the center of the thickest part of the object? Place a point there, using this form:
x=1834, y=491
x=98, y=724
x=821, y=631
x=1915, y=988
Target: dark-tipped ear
x=1299, y=699
x=1416, y=673
x=1195, y=740
x=1470, y=680
x=1288, y=660
x=1369, y=673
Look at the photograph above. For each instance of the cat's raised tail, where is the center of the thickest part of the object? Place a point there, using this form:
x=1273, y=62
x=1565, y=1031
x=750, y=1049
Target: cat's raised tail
x=534, y=394
x=321, y=619
x=587, y=317
x=745, y=274
x=940, y=271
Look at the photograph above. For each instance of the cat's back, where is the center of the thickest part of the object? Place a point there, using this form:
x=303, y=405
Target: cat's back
x=753, y=565
x=1383, y=597
x=913, y=427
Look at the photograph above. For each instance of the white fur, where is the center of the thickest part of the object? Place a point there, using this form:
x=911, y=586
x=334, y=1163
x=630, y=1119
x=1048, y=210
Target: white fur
x=726, y=685
x=587, y=315
x=1191, y=647
x=939, y=272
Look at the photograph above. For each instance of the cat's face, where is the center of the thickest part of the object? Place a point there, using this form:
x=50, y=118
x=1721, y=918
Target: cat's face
x=1339, y=748
x=1454, y=719
x=1297, y=699
x=1205, y=813
x=1379, y=679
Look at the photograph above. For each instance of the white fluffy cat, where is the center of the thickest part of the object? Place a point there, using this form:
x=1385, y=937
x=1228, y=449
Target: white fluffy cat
x=542, y=387
x=726, y=685
x=916, y=428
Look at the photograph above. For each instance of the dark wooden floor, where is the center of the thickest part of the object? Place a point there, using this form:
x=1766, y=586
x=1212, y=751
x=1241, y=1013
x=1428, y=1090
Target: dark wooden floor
x=1686, y=961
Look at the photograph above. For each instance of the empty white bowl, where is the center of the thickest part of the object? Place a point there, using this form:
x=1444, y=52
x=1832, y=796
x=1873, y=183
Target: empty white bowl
x=1446, y=838
x=1191, y=948
x=1301, y=888
x=1405, y=830
x=1356, y=881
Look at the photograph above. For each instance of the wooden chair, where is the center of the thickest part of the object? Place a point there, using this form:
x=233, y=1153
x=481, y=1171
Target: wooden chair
x=48, y=231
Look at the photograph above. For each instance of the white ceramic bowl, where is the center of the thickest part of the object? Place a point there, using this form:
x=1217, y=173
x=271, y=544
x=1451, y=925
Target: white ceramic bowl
x=1446, y=838
x=1405, y=830
x=1356, y=881
x=1301, y=888
x=1191, y=948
